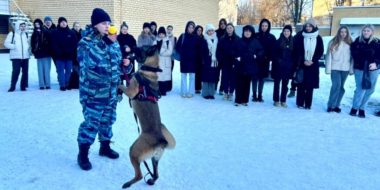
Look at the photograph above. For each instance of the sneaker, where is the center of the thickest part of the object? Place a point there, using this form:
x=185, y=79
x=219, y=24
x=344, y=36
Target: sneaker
x=245, y=104
x=236, y=104
x=62, y=88
x=225, y=98
x=221, y=93
x=307, y=108
x=23, y=89
x=301, y=107
x=230, y=97
x=337, y=110
x=42, y=88
x=183, y=95
x=361, y=113
x=197, y=92
x=277, y=104
x=11, y=89
x=68, y=88
x=48, y=88
x=206, y=97
x=190, y=96
x=212, y=97
x=330, y=110
x=291, y=94
x=284, y=105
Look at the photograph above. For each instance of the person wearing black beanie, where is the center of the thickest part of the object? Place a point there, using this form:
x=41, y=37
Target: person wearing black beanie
x=146, y=25
x=127, y=44
x=153, y=28
x=165, y=48
x=63, y=43
x=100, y=59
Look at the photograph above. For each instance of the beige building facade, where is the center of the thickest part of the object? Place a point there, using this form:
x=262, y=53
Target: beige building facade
x=133, y=12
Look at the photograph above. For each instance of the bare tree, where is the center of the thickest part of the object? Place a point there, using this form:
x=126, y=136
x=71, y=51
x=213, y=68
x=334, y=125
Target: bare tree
x=247, y=13
x=228, y=9
x=296, y=9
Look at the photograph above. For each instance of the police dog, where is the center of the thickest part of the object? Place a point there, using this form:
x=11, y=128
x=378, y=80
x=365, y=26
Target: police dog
x=155, y=137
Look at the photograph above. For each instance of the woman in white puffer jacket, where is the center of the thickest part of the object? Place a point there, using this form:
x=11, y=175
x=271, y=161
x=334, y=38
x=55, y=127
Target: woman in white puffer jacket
x=19, y=44
x=339, y=64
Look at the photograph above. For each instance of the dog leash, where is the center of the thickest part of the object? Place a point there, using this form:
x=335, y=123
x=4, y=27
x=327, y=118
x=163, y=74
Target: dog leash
x=137, y=123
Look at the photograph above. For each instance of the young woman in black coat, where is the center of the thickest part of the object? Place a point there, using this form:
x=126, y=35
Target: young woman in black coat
x=226, y=61
x=188, y=50
x=198, y=74
x=245, y=52
x=74, y=77
x=127, y=44
x=309, y=51
x=267, y=41
x=283, y=61
x=219, y=33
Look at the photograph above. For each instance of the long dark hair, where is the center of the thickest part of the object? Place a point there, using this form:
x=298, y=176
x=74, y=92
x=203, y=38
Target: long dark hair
x=283, y=39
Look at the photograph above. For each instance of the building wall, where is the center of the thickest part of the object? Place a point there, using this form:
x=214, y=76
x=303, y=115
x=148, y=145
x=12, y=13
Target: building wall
x=354, y=12
x=2, y=39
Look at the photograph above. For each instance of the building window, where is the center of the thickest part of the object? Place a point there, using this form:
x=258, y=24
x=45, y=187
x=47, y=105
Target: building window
x=4, y=29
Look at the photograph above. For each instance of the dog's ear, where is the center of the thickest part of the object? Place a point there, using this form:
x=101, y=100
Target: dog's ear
x=152, y=50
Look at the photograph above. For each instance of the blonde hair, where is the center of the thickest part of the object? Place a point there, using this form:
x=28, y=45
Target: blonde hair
x=335, y=42
x=372, y=37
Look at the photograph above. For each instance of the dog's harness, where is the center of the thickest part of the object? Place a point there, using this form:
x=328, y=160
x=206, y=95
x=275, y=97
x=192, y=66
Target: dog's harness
x=146, y=92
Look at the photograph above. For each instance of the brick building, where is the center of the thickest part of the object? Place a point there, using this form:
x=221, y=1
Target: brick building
x=134, y=13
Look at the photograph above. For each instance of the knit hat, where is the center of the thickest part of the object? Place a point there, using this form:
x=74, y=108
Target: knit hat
x=312, y=22
x=209, y=27
x=146, y=25
x=61, y=19
x=98, y=16
x=289, y=28
x=162, y=30
x=123, y=25
x=48, y=18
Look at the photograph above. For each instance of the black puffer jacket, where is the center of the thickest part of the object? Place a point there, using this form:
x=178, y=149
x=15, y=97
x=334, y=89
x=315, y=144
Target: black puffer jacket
x=267, y=41
x=283, y=60
x=79, y=37
x=223, y=53
x=40, y=42
x=189, y=50
x=64, y=43
x=246, y=49
x=360, y=54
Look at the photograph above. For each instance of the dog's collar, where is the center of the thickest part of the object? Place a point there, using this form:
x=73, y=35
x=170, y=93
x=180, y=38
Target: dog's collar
x=151, y=69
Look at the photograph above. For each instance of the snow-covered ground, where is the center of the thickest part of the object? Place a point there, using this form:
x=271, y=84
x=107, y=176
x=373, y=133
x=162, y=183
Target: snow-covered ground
x=219, y=146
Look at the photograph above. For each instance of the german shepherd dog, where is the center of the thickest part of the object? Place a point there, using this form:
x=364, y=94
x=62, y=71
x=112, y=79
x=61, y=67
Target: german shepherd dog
x=155, y=137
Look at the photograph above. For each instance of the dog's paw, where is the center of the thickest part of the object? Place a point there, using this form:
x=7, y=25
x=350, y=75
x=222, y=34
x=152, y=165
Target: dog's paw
x=126, y=185
x=150, y=182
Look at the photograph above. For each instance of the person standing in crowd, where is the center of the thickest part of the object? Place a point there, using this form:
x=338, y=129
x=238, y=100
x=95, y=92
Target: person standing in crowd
x=188, y=51
x=226, y=61
x=40, y=45
x=210, y=69
x=127, y=44
x=365, y=51
x=48, y=24
x=310, y=50
x=19, y=44
x=165, y=48
x=219, y=33
x=74, y=77
x=339, y=64
x=64, y=43
x=100, y=58
x=267, y=41
x=153, y=28
x=173, y=40
x=283, y=61
x=146, y=38
x=245, y=52
x=297, y=38
x=198, y=73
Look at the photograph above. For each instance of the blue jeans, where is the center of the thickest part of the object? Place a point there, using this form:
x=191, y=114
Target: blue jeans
x=229, y=80
x=64, y=72
x=43, y=67
x=362, y=96
x=191, y=89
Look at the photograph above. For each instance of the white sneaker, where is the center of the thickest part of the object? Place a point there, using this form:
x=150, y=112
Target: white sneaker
x=230, y=97
x=190, y=96
x=284, y=105
x=225, y=98
x=277, y=104
x=183, y=95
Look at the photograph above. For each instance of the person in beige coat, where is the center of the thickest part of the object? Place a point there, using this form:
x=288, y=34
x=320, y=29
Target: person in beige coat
x=165, y=47
x=339, y=64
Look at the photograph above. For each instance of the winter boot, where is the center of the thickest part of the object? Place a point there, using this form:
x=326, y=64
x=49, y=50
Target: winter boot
x=260, y=98
x=353, y=112
x=337, y=110
x=329, y=110
x=277, y=104
x=254, y=97
x=291, y=94
x=83, y=161
x=230, y=96
x=361, y=114
x=377, y=113
x=284, y=105
x=105, y=150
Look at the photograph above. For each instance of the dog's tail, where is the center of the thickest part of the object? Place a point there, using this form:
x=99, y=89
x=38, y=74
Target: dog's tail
x=169, y=137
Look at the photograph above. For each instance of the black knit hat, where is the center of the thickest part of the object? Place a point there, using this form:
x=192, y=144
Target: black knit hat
x=146, y=25
x=162, y=30
x=289, y=28
x=98, y=16
x=61, y=19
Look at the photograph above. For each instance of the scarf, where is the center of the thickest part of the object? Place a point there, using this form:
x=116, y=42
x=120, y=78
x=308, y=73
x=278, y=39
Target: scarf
x=310, y=42
x=212, y=48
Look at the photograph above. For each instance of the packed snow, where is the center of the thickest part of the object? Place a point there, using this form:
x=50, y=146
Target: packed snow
x=219, y=146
